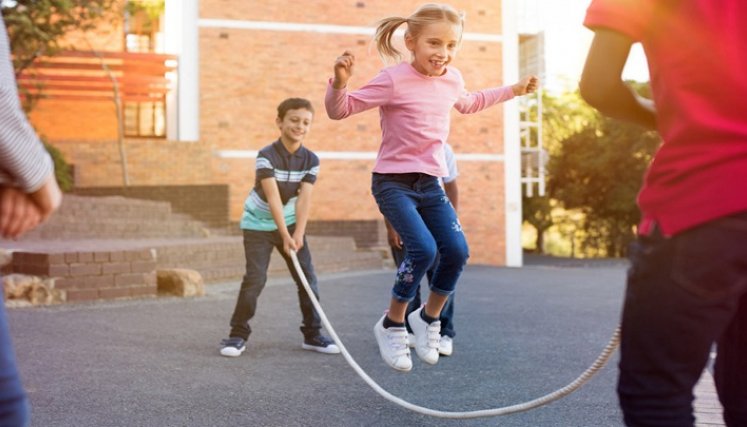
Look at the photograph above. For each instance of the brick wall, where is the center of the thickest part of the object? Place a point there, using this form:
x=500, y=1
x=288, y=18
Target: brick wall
x=244, y=74
x=149, y=162
x=239, y=94
x=85, y=276
x=207, y=203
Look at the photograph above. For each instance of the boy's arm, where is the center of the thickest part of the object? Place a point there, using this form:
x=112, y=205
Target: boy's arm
x=602, y=85
x=270, y=188
x=303, y=206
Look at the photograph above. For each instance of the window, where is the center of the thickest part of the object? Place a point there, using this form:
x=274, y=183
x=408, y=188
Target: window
x=145, y=119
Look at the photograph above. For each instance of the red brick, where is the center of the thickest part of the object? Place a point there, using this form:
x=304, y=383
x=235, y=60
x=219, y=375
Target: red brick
x=101, y=256
x=115, y=268
x=85, y=257
x=128, y=279
x=143, y=266
x=84, y=269
x=116, y=256
x=71, y=257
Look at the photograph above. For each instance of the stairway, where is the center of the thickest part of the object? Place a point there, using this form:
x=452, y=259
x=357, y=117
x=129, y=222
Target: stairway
x=109, y=247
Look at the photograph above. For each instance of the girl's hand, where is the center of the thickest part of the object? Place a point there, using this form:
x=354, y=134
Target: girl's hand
x=343, y=69
x=525, y=86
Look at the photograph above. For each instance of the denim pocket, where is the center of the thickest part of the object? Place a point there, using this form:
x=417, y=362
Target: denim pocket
x=711, y=261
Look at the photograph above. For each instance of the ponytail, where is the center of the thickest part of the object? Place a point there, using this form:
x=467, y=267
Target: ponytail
x=385, y=29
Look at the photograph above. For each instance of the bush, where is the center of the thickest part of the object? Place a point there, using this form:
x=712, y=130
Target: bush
x=62, y=170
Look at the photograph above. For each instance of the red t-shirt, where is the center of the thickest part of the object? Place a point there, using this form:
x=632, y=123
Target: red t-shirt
x=697, y=56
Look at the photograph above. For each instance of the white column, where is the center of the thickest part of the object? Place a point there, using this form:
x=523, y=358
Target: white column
x=511, y=140
x=181, y=37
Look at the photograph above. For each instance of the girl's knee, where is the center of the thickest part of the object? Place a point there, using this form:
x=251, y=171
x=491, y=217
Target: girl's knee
x=456, y=253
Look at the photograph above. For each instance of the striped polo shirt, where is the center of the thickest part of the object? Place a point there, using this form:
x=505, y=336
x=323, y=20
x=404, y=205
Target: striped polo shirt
x=289, y=171
x=24, y=162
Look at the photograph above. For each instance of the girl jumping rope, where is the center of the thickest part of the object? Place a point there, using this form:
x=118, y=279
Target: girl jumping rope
x=414, y=100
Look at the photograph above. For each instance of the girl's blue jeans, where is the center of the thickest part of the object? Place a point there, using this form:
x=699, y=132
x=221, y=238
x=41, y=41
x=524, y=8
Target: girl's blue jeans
x=418, y=209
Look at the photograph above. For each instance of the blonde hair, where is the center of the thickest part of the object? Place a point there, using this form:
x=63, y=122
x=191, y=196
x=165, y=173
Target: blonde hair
x=427, y=14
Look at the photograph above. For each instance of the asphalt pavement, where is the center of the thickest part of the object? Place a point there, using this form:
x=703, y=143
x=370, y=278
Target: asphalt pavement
x=521, y=333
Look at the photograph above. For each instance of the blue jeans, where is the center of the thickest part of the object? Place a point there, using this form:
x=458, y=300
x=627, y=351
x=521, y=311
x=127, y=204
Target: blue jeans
x=14, y=406
x=684, y=294
x=258, y=246
x=418, y=209
x=447, y=313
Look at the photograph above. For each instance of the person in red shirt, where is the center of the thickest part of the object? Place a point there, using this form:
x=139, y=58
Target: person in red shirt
x=687, y=285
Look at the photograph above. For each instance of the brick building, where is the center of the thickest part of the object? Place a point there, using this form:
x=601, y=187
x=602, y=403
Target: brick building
x=237, y=59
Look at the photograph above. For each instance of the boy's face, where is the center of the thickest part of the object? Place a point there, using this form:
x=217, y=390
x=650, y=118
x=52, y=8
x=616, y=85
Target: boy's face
x=295, y=125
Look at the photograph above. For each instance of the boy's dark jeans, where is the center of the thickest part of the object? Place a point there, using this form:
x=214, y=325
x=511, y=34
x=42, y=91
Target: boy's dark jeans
x=685, y=293
x=258, y=246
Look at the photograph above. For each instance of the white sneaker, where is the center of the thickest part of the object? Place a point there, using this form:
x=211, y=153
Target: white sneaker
x=427, y=337
x=411, y=340
x=446, y=346
x=393, y=346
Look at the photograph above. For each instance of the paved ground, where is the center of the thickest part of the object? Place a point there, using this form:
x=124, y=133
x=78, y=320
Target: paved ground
x=521, y=334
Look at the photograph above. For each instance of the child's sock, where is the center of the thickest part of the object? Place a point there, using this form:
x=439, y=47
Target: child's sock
x=389, y=323
x=428, y=319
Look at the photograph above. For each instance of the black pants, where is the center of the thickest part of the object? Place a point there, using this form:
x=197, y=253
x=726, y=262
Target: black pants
x=258, y=246
x=684, y=294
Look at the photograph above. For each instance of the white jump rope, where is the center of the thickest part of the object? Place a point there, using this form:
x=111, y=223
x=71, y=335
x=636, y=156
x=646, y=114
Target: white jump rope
x=521, y=407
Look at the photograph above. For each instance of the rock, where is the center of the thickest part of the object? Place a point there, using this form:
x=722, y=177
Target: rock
x=180, y=282
x=22, y=290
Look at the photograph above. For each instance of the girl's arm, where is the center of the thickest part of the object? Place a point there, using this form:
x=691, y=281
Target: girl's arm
x=477, y=101
x=340, y=103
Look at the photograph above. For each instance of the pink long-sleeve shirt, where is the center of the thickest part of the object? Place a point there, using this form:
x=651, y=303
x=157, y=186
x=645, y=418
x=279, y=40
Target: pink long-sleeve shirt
x=415, y=114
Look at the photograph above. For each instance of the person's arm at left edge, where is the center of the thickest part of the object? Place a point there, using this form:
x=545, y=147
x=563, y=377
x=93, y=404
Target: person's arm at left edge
x=602, y=85
x=303, y=207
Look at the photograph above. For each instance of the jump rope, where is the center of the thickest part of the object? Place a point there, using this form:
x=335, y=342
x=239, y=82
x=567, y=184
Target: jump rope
x=598, y=364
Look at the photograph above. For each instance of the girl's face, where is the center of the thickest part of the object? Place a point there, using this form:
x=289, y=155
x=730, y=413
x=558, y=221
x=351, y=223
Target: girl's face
x=434, y=47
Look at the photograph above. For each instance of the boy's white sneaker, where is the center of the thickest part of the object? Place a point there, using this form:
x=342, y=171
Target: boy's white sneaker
x=445, y=346
x=427, y=337
x=393, y=346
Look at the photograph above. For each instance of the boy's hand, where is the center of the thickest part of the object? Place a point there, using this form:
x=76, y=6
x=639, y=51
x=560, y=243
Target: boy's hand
x=525, y=86
x=289, y=243
x=343, y=69
x=298, y=239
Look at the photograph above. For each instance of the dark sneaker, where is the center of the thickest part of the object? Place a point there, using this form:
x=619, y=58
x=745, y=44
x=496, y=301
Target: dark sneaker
x=232, y=347
x=321, y=344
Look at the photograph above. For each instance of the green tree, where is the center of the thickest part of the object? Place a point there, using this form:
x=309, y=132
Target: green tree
x=598, y=171
x=36, y=27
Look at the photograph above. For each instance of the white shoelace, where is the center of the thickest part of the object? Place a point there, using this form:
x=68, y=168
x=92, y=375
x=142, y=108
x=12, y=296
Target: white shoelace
x=397, y=339
x=433, y=334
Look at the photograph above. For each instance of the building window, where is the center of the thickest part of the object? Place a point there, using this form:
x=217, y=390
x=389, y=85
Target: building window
x=145, y=119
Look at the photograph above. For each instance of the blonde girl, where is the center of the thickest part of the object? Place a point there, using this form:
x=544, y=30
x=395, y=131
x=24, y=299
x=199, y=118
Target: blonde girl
x=414, y=100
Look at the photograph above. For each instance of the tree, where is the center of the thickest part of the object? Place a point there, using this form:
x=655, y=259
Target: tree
x=599, y=170
x=37, y=27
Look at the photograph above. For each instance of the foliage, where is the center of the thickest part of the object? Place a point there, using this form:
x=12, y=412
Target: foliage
x=36, y=27
x=599, y=171
x=62, y=170
x=594, y=173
